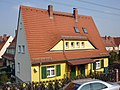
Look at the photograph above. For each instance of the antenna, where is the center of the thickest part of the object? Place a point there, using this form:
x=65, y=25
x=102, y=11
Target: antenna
x=51, y=2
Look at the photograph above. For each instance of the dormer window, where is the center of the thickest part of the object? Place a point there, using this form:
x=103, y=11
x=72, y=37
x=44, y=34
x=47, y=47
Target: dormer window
x=83, y=44
x=72, y=45
x=67, y=45
x=76, y=30
x=85, y=30
x=77, y=44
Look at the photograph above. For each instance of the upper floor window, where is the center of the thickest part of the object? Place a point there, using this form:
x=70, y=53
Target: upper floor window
x=77, y=44
x=85, y=30
x=23, y=49
x=19, y=48
x=82, y=44
x=72, y=45
x=76, y=30
x=67, y=45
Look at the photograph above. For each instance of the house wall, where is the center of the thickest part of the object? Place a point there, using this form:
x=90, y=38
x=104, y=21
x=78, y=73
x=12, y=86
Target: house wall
x=22, y=60
x=2, y=51
x=59, y=45
x=109, y=48
x=37, y=75
x=105, y=64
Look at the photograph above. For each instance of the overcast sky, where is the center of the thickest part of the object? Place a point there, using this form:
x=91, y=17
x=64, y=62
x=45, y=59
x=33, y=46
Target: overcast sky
x=106, y=13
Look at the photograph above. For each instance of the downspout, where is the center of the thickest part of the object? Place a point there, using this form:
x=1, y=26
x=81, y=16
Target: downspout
x=64, y=55
x=39, y=71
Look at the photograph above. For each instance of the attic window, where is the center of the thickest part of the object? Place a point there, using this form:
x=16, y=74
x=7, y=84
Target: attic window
x=72, y=44
x=76, y=30
x=85, y=30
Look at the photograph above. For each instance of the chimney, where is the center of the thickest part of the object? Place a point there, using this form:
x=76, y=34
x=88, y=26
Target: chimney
x=5, y=37
x=105, y=37
x=109, y=37
x=1, y=39
x=75, y=14
x=50, y=11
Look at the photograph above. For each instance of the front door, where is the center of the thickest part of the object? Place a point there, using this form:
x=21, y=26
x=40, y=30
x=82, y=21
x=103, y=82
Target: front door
x=73, y=72
x=82, y=69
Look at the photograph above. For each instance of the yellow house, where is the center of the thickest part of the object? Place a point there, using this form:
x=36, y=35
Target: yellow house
x=54, y=45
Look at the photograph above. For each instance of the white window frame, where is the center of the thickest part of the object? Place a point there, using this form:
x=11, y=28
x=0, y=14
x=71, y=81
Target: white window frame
x=50, y=69
x=66, y=44
x=98, y=65
x=72, y=44
x=83, y=44
x=23, y=49
x=19, y=48
x=77, y=44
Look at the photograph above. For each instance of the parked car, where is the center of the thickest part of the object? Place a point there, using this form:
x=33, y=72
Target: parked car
x=91, y=84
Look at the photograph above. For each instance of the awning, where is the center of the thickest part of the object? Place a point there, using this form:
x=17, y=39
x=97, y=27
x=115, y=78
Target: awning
x=78, y=62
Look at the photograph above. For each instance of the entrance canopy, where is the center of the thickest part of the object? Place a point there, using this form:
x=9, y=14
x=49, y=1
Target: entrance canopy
x=78, y=62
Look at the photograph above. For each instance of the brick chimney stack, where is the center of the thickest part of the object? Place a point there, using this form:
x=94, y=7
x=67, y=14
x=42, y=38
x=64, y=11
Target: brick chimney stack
x=5, y=37
x=50, y=11
x=75, y=14
x=1, y=39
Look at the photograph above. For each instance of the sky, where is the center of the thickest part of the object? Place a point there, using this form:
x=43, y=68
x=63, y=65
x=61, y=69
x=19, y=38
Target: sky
x=105, y=13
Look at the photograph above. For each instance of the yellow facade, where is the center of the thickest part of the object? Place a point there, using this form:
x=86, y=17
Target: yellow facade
x=65, y=68
x=36, y=72
x=61, y=45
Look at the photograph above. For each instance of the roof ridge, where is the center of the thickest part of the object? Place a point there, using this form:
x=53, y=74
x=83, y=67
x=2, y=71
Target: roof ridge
x=54, y=12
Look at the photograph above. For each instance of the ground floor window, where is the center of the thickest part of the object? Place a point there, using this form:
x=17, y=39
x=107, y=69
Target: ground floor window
x=98, y=66
x=50, y=71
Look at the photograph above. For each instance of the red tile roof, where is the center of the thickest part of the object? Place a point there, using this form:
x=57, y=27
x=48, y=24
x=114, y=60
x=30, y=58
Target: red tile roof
x=117, y=41
x=108, y=41
x=77, y=62
x=9, y=57
x=42, y=33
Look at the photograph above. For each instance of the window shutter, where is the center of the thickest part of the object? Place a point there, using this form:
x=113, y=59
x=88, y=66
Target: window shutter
x=44, y=72
x=94, y=65
x=102, y=63
x=58, y=70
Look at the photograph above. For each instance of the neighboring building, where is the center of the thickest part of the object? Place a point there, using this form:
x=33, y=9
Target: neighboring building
x=111, y=43
x=54, y=45
x=4, y=43
x=117, y=42
x=8, y=56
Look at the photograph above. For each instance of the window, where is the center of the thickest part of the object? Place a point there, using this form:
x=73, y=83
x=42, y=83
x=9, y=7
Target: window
x=23, y=49
x=85, y=30
x=72, y=45
x=18, y=67
x=86, y=87
x=67, y=45
x=19, y=48
x=98, y=66
x=50, y=71
x=82, y=44
x=76, y=30
x=77, y=44
x=98, y=86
